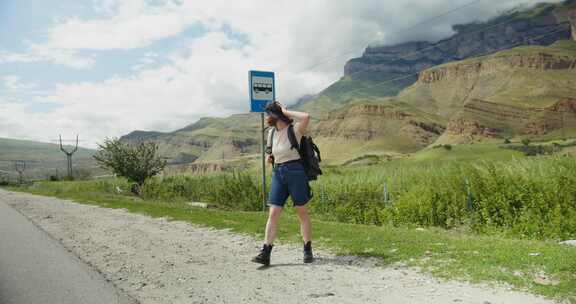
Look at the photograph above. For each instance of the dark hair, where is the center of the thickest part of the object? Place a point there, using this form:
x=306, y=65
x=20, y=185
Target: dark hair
x=275, y=110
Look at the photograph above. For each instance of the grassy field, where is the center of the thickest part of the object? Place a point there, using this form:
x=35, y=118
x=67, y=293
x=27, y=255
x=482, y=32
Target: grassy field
x=447, y=254
x=483, y=221
x=465, y=153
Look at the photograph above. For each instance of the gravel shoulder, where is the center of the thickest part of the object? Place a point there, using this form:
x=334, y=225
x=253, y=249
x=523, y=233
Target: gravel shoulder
x=161, y=261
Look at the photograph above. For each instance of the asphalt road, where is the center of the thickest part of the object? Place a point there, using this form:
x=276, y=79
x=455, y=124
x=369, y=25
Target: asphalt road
x=35, y=268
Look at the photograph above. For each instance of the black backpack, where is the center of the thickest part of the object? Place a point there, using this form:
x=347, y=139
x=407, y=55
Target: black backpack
x=309, y=152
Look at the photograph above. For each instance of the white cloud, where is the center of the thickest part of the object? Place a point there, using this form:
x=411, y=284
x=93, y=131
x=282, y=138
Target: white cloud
x=134, y=24
x=18, y=122
x=68, y=58
x=14, y=83
x=42, y=53
x=7, y=57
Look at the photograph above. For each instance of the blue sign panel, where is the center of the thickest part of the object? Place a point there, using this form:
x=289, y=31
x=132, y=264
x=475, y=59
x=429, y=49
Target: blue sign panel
x=262, y=90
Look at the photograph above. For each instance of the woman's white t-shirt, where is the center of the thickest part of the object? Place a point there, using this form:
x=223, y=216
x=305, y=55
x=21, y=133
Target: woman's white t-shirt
x=281, y=145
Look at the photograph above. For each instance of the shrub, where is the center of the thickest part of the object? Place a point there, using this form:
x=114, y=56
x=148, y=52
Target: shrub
x=237, y=190
x=137, y=162
x=526, y=141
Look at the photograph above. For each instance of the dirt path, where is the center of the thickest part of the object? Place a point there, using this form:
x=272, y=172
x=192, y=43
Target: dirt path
x=159, y=261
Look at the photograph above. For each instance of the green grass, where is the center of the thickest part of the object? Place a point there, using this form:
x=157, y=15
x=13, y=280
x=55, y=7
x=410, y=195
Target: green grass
x=447, y=254
x=367, y=85
x=361, y=85
x=472, y=152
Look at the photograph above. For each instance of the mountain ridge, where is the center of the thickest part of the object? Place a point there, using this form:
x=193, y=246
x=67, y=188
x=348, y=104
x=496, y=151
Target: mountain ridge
x=237, y=137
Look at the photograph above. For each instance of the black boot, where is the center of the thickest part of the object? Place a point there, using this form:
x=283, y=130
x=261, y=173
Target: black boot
x=308, y=256
x=264, y=256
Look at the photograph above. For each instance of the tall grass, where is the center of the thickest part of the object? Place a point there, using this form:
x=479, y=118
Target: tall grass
x=529, y=198
x=532, y=198
x=235, y=191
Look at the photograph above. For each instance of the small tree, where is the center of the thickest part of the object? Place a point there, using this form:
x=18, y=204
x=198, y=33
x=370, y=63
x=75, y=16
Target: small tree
x=526, y=142
x=136, y=163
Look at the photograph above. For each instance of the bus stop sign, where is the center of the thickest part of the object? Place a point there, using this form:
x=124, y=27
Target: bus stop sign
x=262, y=90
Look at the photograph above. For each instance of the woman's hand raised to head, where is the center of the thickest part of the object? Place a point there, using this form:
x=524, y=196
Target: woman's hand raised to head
x=284, y=109
x=303, y=118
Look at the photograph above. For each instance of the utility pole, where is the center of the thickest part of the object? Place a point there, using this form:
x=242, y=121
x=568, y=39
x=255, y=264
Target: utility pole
x=69, y=155
x=4, y=177
x=563, y=125
x=20, y=166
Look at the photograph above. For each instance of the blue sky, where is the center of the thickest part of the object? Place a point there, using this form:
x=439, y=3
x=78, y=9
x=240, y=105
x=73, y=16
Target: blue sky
x=104, y=68
x=40, y=15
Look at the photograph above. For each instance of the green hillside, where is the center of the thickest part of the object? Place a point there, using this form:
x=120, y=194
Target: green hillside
x=526, y=91
x=12, y=149
x=208, y=140
x=42, y=159
x=375, y=126
x=360, y=86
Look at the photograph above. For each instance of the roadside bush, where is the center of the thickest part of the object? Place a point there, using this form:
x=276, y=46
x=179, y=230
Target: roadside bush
x=240, y=191
x=135, y=162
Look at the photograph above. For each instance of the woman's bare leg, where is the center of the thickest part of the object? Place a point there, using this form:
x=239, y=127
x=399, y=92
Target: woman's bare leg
x=305, y=225
x=272, y=224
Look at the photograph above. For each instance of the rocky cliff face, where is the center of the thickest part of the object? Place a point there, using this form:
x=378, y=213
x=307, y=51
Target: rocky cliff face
x=414, y=57
x=483, y=119
x=377, y=124
x=537, y=61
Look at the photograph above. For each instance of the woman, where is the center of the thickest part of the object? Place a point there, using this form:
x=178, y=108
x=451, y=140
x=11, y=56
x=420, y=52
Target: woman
x=289, y=178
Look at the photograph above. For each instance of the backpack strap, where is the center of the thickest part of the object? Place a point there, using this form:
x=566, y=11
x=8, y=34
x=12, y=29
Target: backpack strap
x=292, y=138
x=294, y=142
x=315, y=148
x=269, y=141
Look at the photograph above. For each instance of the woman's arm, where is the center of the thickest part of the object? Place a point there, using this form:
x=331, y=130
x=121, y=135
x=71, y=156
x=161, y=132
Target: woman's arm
x=303, y=118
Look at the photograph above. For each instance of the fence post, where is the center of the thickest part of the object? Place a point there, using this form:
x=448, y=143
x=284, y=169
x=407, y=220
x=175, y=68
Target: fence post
x=469, y=201
x=322, y=198
x=386, y=193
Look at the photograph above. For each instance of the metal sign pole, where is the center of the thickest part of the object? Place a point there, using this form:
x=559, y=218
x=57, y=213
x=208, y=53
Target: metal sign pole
x=262, y=91
x=263, y=166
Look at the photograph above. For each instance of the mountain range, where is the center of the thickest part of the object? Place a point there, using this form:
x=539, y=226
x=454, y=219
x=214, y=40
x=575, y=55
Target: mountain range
x=511, y=77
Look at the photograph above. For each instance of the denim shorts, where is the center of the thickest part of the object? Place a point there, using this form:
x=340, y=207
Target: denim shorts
x=289, y=179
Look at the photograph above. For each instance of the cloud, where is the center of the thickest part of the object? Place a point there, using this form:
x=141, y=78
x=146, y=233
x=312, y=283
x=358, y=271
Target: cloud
x=7, y=57
x=42, y=53
x=305, y=42
x=14, y=83
x=134, y=26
